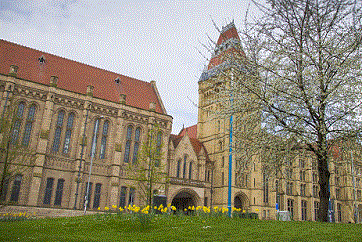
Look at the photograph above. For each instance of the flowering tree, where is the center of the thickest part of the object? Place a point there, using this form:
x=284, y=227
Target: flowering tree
x=296, y=83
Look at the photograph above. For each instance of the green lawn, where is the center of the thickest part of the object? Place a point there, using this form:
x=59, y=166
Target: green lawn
x=174, y=228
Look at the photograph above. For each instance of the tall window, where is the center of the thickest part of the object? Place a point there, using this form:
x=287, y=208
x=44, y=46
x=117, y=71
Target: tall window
x=131, y=196
x=104, y=140
x=222, y=178
x=58, y=131
x=68, y=133
x=48, y=191
x=302, y=189
x=289, y=188
x=158, y=147
x=190, y=171
x=17, y=124
x=122, y=197
x=59, y=192
x=316, y=210
x=339, y=212
x=136, y=144
x=29, y=125
x=178, y=168
x=184, y=171
x=304, y=209
x=95, y=137
x=128, y=144
x=16, y=188
x=5, y=190
x=290, y=205
x=97, y=195
x=265, y=188
x=89, y=193
x=315, y=191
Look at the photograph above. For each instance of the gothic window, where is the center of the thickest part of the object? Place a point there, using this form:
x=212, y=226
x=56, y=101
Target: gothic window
x=178, y=168
x=95, y=137
x=104, y=140
x=131, y=196
x=97, y=195
x=339, y=212
x=303, y=189
x=59, y=192
x=29, y=125
x=190, y=171
x=122, y=197
x=304, y=210
x=68, y=133
x=48, y=191
x=222, y=178
x=128, y=144
x=315, y=191
x=16, y=188
x=5, y=190
x=289, y=188
x=136, y=144
x=290, y=206
x=265, y=188
x=158, y=147
x=316, y=210
x=17, y=123
x=58, y=131
x=184, y=171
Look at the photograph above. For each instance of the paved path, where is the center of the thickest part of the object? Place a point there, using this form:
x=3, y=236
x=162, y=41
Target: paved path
x=43, y=212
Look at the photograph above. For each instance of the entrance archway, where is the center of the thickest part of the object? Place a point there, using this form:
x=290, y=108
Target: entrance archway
x=241, y=201
x=184, y=199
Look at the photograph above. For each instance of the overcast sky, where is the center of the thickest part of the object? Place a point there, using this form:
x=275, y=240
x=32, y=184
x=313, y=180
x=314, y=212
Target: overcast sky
x=144, y=39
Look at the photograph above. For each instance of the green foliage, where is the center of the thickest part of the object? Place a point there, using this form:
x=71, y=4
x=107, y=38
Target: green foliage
x=148, y=170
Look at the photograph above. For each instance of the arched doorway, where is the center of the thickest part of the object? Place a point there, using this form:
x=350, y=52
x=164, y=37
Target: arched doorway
x=241, y=201
x=184, y=199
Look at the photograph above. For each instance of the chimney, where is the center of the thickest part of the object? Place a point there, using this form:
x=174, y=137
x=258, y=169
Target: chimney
x=13, y=70
x=122, y=98
x=54, y=81
x=152, y=106
x=90, y=89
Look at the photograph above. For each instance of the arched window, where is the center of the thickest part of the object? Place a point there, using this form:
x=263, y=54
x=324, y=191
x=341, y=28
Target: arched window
x=58, y=131
x=128, y=144
x=17, y=124
x=95, y=137
x=158, y=148
x=97, y=195
x=136, y=144
x=16, y=188
x=178, y=168
x=48, y=190
x=184, y=171
x=131, y=198
x=190, y=171
x=102, y=154
x=68, y=133
x=59, y=192
x=29, y=125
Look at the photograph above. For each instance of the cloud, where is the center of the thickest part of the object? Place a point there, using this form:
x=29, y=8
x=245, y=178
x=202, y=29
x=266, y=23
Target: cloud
x=31, y=10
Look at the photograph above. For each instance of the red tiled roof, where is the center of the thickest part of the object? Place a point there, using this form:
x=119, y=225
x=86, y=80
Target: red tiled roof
x=191, y=131
x=229, y=33
x=74, y=76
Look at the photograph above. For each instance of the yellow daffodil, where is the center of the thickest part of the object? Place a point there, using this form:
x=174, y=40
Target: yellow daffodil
x=243, y=211
x=185, y=209
x=114, y=206
x=169, y=205
x=99, y=208
x=121, y=209
x=257, y=210
x=173, y=208
x=193, y=208
x=155, y=207
x=106, y=208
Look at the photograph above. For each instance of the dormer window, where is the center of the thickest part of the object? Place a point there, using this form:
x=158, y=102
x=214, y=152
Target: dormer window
x=41, y=59
x=117, y=80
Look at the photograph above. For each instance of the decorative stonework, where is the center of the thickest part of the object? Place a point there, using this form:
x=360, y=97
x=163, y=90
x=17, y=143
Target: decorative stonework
x=114, y=184
x=81, y=141
x=90, y=90
x=13, y=70
x=54, y=81
x=44, y=134
x=36, y=174
x=118, y=147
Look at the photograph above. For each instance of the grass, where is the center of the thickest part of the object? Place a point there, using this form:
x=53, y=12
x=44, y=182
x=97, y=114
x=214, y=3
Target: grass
x=174, y=228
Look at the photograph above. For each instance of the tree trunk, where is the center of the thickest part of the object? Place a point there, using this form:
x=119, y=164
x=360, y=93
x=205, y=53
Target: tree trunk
x=324, y=192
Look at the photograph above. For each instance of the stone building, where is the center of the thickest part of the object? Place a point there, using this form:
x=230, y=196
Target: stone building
x=297, y=191
x=58, y=101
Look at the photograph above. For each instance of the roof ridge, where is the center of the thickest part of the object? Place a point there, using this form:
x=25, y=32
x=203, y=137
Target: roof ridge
x=68, y=59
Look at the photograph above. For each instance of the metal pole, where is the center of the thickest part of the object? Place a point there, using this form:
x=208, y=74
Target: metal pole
x=91, y=164
x=81, y=160
x=230, y=150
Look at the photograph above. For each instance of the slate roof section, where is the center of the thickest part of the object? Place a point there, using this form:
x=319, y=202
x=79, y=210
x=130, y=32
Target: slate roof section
x=75, y=76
